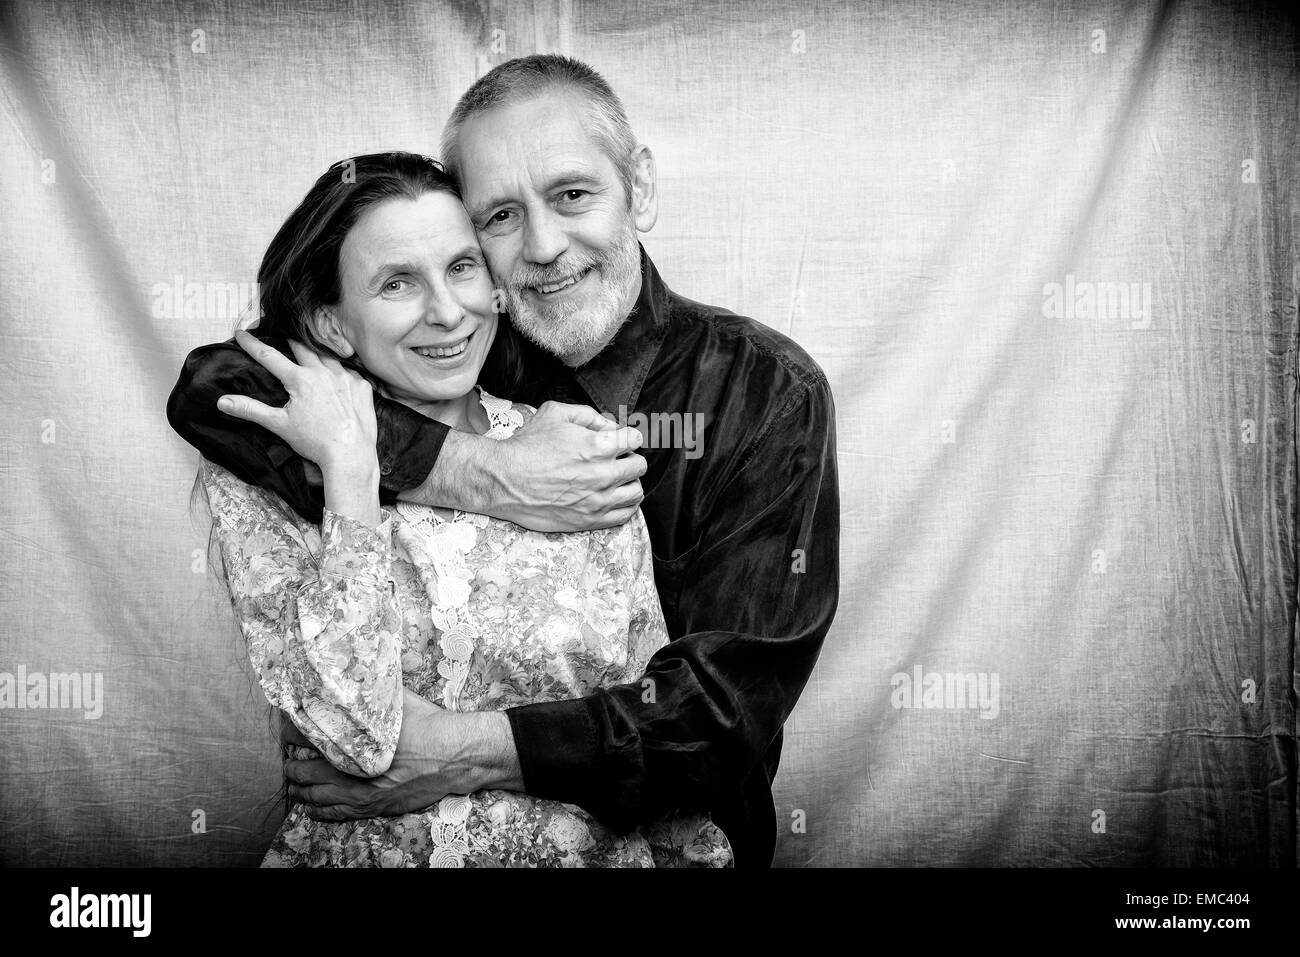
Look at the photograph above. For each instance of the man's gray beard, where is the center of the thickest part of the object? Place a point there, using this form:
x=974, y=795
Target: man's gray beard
x=576, y=333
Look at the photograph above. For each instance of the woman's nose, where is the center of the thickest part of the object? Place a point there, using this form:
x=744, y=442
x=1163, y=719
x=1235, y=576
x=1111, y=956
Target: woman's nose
x=444, y=309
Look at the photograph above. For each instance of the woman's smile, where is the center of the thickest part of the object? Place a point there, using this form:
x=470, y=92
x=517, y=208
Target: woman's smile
x=445, y=355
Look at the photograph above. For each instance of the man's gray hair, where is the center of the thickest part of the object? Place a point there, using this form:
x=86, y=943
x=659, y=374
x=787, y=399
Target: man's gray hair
x=526, y=77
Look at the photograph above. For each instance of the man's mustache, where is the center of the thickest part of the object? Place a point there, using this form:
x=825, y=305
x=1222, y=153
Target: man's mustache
x=528, y=277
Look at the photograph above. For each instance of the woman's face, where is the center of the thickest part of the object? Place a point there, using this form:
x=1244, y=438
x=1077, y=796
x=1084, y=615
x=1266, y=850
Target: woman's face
x=416, y=297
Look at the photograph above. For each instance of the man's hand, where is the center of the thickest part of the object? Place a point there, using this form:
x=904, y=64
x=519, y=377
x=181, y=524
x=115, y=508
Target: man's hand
x=568, y=469
x=438, y=753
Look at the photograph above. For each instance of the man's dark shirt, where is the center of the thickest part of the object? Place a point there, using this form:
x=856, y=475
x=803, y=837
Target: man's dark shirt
x=745, y=540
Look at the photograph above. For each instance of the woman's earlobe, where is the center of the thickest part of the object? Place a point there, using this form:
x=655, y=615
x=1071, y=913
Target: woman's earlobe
x=327, y=328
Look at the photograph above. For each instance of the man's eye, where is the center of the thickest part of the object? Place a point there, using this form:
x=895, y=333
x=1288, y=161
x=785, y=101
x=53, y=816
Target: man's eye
x=499, y=223
x=573, y=195
x=394, y=285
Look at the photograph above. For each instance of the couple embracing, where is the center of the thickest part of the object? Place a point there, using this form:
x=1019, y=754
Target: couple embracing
x=504, y=629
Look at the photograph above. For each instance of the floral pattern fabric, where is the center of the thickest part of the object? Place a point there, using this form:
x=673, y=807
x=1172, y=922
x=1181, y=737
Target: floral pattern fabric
x=472, y=613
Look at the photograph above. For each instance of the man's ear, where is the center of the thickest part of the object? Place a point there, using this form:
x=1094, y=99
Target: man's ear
x=330, y=331
x=645, y=189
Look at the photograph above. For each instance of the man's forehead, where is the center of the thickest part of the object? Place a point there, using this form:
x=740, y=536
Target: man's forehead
x=534, y=140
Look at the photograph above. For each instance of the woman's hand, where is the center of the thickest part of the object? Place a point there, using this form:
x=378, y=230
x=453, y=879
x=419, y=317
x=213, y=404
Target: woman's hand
x=329, y=420
x=330, y=416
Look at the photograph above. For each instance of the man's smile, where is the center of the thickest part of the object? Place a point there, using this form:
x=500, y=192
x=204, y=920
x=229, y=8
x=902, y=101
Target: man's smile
x=553, y=288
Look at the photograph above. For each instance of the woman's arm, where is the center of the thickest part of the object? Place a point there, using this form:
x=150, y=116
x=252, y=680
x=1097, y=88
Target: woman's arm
x=321, y=623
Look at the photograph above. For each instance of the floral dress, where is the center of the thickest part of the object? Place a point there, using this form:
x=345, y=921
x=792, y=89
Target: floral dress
x=472, y=613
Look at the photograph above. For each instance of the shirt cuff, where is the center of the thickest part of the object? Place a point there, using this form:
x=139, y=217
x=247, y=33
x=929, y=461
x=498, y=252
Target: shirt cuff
x=560, y=760
x=352, y=549
x=408, y=447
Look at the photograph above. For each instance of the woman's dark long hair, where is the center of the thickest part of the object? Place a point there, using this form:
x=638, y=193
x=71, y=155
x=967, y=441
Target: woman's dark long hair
x=300, y=271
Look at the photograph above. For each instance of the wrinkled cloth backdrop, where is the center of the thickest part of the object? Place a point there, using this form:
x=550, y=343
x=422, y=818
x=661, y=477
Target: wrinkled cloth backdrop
x=1045, y=253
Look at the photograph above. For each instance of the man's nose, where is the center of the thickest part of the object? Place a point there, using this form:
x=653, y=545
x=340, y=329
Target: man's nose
x=544, y=237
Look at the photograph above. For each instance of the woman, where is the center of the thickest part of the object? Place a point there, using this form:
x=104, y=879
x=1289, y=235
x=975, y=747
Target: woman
x=379, y=272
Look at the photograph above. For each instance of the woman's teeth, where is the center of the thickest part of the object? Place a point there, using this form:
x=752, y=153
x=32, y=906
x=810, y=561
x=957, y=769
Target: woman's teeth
x=443, y=351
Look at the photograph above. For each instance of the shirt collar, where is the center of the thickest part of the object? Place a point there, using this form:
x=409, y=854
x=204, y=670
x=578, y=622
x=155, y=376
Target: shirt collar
x=614, y=377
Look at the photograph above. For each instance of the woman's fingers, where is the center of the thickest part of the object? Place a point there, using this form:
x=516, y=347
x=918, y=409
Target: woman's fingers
x=331, y=362
x=250, y=410
x=272, y=360
x=306, y=357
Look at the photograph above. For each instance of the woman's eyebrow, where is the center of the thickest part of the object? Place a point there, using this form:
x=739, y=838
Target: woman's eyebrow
x=380, y=273
x=397, y=265
x=468, y=251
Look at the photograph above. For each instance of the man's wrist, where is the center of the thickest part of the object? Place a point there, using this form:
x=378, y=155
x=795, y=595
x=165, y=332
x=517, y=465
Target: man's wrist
x=461, y=477
x=470, y=752
x=497, y=760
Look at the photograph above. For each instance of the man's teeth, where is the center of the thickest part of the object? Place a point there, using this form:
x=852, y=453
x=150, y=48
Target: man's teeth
x=557, y=286
x=434, y=353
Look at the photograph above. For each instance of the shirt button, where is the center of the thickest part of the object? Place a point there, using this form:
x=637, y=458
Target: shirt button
x=385, y=469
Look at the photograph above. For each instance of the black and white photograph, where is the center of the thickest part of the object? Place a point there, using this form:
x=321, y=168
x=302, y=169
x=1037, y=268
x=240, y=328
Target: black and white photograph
x=557, y=434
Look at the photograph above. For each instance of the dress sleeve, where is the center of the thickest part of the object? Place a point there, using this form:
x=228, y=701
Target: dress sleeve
x=321, y=624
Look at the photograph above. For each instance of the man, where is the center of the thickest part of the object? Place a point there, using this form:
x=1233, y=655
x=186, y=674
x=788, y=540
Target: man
x=744, y=525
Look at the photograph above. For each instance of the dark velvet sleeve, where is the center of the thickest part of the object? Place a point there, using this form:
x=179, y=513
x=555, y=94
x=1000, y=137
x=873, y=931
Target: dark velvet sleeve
x=408, y=444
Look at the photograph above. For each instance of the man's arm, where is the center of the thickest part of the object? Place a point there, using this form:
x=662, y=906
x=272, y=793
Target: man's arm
x=569, y=469
x=438, y=753
x=755, y=599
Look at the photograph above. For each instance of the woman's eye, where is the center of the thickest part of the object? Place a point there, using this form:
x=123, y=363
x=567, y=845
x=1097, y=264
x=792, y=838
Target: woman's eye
x=461, y=268
x=394, y=285
x=500, y=216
